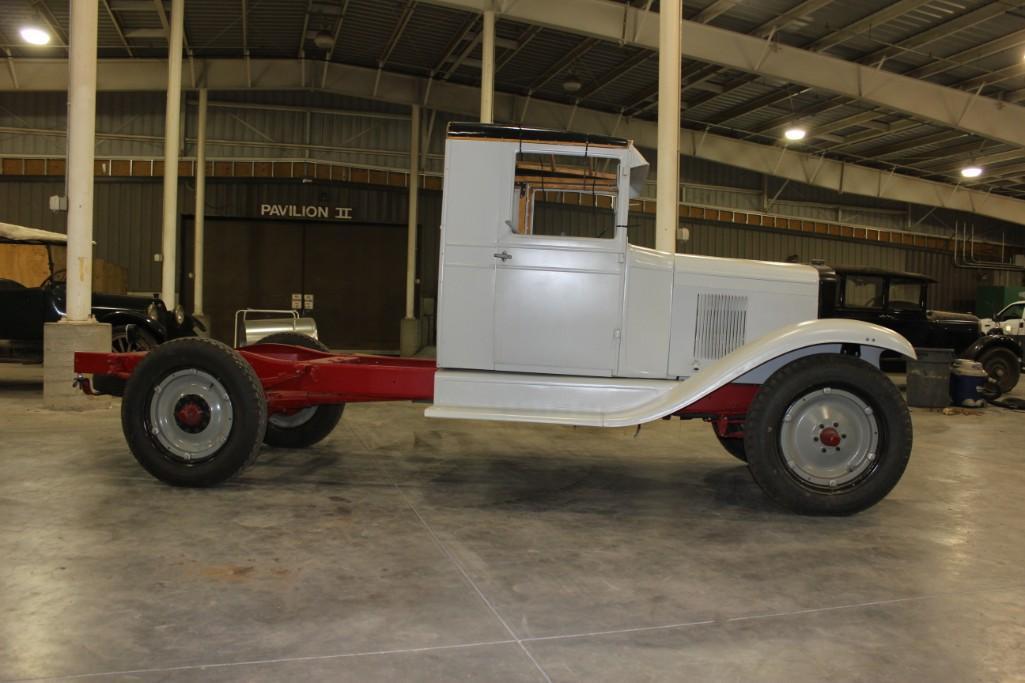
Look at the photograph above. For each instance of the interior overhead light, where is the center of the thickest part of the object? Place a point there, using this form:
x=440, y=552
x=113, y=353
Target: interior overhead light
x=971, y=171
x=34, y=35
x=324, y=40
x=572, y=84
x=795, y=134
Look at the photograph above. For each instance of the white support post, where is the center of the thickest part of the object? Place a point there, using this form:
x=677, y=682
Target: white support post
x=81, y=150
x=169, y=243
x=409, y=337
x=200, y=211
x=414, y=182
x=77, y=330
x=668, y=179
x=487, y=68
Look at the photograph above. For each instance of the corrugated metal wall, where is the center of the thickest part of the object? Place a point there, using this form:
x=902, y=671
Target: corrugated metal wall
x=128, y=224
x=136, y=120
x=126, y=229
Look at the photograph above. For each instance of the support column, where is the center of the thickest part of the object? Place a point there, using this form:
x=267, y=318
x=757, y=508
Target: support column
x=172, y=119
x=487, y=69
x=409, y=333
x=667, y=188
x=78, y=330
x=200, y=210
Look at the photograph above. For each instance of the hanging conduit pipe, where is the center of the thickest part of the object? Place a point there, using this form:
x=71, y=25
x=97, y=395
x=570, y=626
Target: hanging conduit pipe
x=964, y=252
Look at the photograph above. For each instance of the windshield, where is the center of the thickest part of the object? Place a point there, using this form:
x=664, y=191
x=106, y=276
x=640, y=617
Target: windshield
x=1012, y=312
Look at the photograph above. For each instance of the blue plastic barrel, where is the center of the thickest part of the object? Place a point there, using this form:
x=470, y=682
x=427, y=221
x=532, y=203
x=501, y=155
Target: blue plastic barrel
x=967, y=377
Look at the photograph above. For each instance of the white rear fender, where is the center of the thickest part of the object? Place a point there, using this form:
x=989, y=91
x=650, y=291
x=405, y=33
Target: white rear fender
x=621, y=402
x=755, y=361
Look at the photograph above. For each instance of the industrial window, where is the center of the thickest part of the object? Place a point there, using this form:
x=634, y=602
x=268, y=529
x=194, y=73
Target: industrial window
x=863, y=291
x=560, y=194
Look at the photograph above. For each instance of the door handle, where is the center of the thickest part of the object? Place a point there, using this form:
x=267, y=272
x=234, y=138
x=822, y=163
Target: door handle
x=504, y=255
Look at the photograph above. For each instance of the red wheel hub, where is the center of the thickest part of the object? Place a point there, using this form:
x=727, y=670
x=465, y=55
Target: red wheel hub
x=829, y=437
x=190, y=415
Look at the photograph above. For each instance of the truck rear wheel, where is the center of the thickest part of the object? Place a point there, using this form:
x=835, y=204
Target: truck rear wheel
x=194, y=413
x=827, y=435
x=734, y=446
x=307, y=426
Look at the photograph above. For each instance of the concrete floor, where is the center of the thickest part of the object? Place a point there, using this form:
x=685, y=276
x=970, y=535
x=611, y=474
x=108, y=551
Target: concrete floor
x=416, y=550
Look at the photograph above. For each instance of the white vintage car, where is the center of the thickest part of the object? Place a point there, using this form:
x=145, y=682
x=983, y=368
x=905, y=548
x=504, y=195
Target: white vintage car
x=549, y=315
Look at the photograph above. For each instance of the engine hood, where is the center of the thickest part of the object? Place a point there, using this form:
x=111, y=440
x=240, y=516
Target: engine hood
x=745, y=269
x=121, y=301
x=951, y=318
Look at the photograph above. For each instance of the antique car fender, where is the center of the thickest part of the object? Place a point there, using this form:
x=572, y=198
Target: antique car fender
x=127, y=317
x=991, y=341
x=754, y=362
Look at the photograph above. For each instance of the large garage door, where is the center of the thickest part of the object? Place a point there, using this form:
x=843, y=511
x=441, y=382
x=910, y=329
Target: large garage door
x=354, y=272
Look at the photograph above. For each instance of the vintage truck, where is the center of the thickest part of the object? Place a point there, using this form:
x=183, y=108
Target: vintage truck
x=545, y=322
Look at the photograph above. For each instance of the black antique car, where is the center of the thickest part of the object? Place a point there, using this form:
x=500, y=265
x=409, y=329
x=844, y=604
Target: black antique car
x=138, y=323
x=899, y=300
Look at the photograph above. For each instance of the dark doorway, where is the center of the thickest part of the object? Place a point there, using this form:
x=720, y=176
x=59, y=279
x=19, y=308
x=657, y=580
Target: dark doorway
x=355, y=273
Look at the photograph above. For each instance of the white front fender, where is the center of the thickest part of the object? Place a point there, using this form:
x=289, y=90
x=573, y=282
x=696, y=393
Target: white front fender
x=756, y=360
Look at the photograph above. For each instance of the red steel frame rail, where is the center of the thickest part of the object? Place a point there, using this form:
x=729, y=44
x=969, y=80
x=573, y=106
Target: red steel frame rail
x=295, y=378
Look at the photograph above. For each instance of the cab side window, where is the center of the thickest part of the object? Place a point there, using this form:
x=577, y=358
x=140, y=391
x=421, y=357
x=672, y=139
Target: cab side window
x=860, y=291
x=564, y=195
x=906, y=295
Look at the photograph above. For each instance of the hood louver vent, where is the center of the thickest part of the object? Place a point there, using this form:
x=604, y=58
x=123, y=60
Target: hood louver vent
x=721, y=325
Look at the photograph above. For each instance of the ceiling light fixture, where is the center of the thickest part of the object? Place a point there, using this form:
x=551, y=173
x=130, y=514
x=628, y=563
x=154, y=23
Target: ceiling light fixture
x=971, y=171
x=324, y=40
x=795, y=134
x=34, y=35
x=572, y=84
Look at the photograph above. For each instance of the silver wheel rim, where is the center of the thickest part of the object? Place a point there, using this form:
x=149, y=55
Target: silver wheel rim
x=177, y=401
x=829, y=437
x=293, y=420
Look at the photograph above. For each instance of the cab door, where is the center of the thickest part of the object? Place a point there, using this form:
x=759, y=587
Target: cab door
x=559, y=303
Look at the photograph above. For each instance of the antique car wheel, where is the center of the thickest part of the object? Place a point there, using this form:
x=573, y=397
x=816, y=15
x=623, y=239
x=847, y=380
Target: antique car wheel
x=307, y=426
x=1003, y=366
x=139, y=340
x=194, y=413
x=827, y=434
x=734, y=446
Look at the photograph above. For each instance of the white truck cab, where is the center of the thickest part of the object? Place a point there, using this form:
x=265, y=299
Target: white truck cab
x=548, y=317
x=1010, y=320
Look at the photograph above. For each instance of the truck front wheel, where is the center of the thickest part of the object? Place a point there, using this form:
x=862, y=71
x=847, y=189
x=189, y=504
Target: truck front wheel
x=194, y=412
x=828, y=435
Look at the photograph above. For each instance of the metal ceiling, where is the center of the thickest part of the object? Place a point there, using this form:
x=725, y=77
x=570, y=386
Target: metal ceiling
x=974, y=45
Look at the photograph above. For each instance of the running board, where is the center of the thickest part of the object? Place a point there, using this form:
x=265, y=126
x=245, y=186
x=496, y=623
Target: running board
x=549, y=399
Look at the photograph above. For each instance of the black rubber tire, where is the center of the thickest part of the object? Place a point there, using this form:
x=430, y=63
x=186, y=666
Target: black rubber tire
x=1003, y=366
x=121, y=342
x=323, y=420
x=734, y=447
x=249, y=412
x=765, y=415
